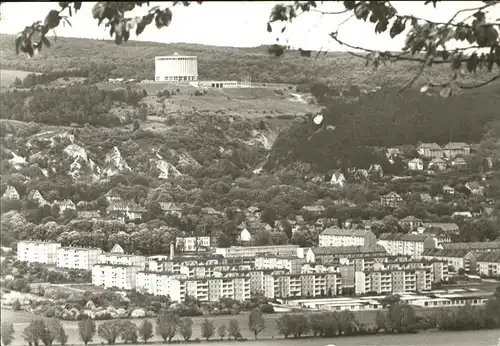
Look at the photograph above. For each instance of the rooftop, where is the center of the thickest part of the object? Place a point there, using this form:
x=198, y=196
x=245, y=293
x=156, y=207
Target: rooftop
x=493, y=256
x=473, y=245
x=446, y=252
x=345, y=232
x=403, y=237
x=340, y=250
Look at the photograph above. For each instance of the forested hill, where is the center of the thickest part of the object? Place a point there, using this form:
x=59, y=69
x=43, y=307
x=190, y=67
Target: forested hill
x=134, y=59
x=383, y=119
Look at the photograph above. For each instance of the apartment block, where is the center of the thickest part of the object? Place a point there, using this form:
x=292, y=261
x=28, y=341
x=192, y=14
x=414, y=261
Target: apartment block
x=292, y=264
x=204, y=289
x=346, y=237
x=395, y=280
x=252, y=251
x=455, y=258
x=192, y=243
x=120, y=276
x=37, y=251
x=325, y=255
x=117, y=269
x=413, y=245
x=77, y=257
x=118, y=257
x=488, y=263
x=392, y=199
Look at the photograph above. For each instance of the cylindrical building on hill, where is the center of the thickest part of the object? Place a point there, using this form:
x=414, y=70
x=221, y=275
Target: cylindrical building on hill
x=176, y=68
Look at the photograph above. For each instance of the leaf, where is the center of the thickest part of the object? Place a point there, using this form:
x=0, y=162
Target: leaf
x=381, y=26
x=456, y=63
x=77, y=5
x=445, y=92
x=397, y=27
x=46, y=41
x=269, y=28
x=52, y=20
x=283, y=29
x=424, y=88
x=349, y=5
x=472, y=63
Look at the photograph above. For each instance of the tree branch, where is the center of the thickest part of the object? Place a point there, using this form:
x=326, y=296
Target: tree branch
x=480, y=8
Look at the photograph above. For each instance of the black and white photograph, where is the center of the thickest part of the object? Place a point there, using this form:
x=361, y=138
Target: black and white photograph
x=261, y=173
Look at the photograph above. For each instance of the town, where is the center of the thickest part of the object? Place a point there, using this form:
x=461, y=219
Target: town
x=294, y=197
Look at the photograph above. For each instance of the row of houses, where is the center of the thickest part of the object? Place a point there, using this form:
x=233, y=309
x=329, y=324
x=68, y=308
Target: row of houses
x=451, y=149
x=437, y=164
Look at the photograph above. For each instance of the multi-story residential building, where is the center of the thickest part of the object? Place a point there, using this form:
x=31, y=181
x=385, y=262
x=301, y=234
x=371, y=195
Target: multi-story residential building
x=406, y=244
x=394, y=278
x=171, y=209
x=438, y=164
x=210, y=288
x=252, y=251
x=64, y=205
x=77, y=257
x=346, y=237
x=455, y=258
x=292, y=264
x=430, y=150
x=325, y=255
x=36, y=196
x=10, y=193
x=118, y=256
x=488, y=263
x=453, y=149
x=192, y=243
x=416, y=165
x=474, y=246
x=321, y=284
x=117, y=269
x=88, y=214
x=451, y=228
x=392, y=199
x=108, y=275
x=315, y=210
x=125, y=211
x=410, y=222
x=37, y=251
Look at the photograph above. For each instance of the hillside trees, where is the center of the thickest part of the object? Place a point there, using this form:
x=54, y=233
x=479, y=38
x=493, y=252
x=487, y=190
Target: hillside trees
x=64, y=106
x=349, y=130
x=428, y=42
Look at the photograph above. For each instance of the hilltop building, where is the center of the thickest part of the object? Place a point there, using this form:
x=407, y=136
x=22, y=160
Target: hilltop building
x=176, y=68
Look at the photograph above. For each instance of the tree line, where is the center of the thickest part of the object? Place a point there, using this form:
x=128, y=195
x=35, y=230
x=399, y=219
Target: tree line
x=398, y=317
x=34, y=79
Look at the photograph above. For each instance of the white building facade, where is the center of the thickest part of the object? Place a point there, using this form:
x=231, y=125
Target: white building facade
x=346, y=237
x=37, y=252
x=176, y=68
x=77, y=257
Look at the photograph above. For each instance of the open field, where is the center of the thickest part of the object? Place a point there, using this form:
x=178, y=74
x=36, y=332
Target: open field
x=243, y=101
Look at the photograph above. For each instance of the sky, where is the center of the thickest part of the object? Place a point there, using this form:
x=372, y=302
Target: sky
x=238, y=24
